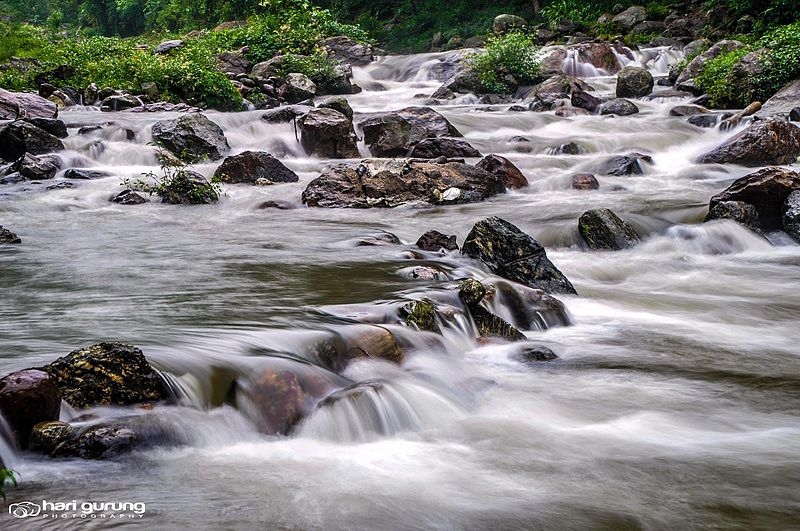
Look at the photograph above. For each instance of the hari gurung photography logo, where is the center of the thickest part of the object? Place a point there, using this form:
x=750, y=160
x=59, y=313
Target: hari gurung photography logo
x=77, y=510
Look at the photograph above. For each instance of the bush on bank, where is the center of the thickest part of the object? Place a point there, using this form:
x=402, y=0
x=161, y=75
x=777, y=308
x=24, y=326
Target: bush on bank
x=514, y=55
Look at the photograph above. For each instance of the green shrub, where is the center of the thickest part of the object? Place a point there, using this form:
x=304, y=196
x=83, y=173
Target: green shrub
x=573, y=10
x=512, y=54
x=715, y=78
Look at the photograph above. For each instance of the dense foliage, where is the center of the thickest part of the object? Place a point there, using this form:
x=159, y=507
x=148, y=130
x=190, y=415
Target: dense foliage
x=512, y=55
x=780, y=62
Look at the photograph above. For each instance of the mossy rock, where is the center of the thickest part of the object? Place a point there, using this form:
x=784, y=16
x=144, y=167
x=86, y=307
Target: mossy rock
x=106, y=374
x=422, y=314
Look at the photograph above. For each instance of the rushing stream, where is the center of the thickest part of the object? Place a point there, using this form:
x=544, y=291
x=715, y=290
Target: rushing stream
x=674, y=404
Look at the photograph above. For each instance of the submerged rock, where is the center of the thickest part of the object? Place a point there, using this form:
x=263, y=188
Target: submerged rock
x=738, y=211
x=327, y=133
x=27, y=398
x=129, y=197
x=631, y=164
x=77, y=173
x=187, y=187
x=503, y=169
x=422, y=315
x=192, y=138
x=765, y=142
x=514, y=255
x=767, y=190
x=20, y=137
x=249, y=166
x=584, y=181
x=534, y=354
x=602, y=229
x=791, y=217
x=35, y=168
x=106, y=374
x=6, y=236
x=471, y=292
x=276, y=400
x=436, y=241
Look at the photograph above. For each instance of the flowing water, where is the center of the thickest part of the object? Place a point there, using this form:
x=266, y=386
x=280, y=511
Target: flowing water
x=674, y=404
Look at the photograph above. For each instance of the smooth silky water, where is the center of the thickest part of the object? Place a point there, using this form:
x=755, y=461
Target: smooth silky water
x=675, y=403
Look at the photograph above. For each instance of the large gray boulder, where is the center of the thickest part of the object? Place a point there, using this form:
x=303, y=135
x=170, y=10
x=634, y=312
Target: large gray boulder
x=15, y=105
x=697, y=64
x=630, y=17
x=192, y=138
x=348, y=51
x=602, y=229
x=35, y=168
x=329, y=134
x=251, y=166
x=298, y=87
x=634, y=82
x=783, y=102
x=432, y=148
x=20, y=137
x=767, y=190
x=506, y=23
x=738, y=211
x=512, y=254
x=391, y=135
x=765, y=142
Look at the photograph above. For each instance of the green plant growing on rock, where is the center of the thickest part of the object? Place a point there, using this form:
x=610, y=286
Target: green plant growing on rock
x=175, y=183
x=511, y=59
x=7, y=476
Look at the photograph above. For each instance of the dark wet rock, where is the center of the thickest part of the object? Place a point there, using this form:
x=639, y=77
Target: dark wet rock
x=27, y=398
x=558, y=84
x=379, y=238
x=767, y=190
x=391, y=135
x=631, y=164
x=634, y=82
x=60, y=186
x=514, y=255
x=327, y=133
x=629, y=18
x=431, y=148
x=280, y=205
x=534, y=354
x=619, y=107
x=704, y=120
x=503, y=169
x=47, y=436
x=472, y=292
x=35, y=168
x=584, y=100
x=602, y=229
x=506, y=23
x=6, y=236
x=570, y=148
x=436, y=241
x=422, y=315
x=15, y=105
x=738, y=211
x=337, y=350
x=285, y=113
x=433, y=122
x=337, y=103
x=584, y=181
x=277, y=400
x=696, y=65
x=529, y=308
x=359, y=187
x=297, y=88
x=129, y=197
x=89, y=129
x=192, y=138
x=791, y=217
x=18, y=138
x=688, y=110
x=249, y=166
x=120, y=102
x=167, y=46
x=78, y=173
x=96, y=442
x=348, y=51
x=188, y=188
x=764, y=142
x=55, y=127
x=106, y=374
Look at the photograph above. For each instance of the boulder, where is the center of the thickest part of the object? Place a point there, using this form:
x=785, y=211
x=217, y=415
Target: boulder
x=705, y=120
x=436, y=241
x=505, y=23
x=634, y=82
x=278, y=400
x=432, y=148
x=688, y=110
x=164, y=106
x=120, y=102
x=512, y=254
x=99, y=442
x=697, y=64
x=106, y=374
x=6, y=236
x=791, y=216
x=764, y=142
x=471, y=292
x=355, y=342
x=86, y=175
x=348, y=51
x=298, y=87
x=167, y=46
x=767, y=190
x=630, y=17
x=192, y=138
x=27, y=398
x=570, y=148
x=433, y=122
x=584, y=100
x=232, y=63
x=738, y=211
x=187, y=187
x=19, y=138
x=619, y=107
x=129, y=197
x=503, y=169
x=601, y=55
x=422, y=316
x=285, y=114
x=35, y=168
x=631, y=164
x=47, y=436
x=584, y=181
x=337, y=103
x=250, y=166
x=391, y=135
x=359, y=187
x=14, y=105
x=602, y=229
x=783, y=102
x=327, y=133
x=55, y=127
x=743, y=74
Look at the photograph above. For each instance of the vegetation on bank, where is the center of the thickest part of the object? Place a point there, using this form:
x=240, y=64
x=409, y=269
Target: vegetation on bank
x=513, y=54
x=7, y=476
x=188, y=73
x=779, y=60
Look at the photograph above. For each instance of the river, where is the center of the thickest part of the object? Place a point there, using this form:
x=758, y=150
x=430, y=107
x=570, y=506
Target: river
x=674, y=404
